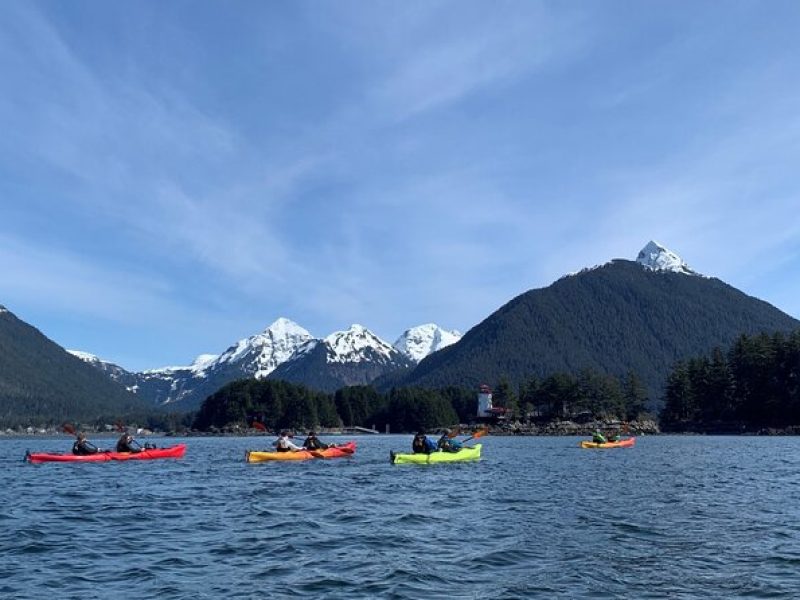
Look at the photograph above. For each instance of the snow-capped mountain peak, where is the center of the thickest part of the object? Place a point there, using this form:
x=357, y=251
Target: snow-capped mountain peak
x=420, y=341
x=267, y=349
x=352, y=344
x=656, y=257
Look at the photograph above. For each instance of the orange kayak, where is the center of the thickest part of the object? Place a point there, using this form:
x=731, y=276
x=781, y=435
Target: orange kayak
x=339, y=451
x=626, y=443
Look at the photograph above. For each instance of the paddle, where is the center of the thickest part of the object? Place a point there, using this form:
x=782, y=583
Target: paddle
x=259, y=426
x=454, y=432
x=478, y=434
x=68, y=428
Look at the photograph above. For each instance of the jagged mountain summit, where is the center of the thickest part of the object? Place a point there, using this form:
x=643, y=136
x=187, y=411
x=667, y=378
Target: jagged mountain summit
x=260, y=354
x=355, y=356
x=656, y=257
x=351, y=357
x=420, y=341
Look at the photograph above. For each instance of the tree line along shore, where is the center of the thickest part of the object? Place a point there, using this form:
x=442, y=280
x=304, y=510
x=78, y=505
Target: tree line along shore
x=753, y=387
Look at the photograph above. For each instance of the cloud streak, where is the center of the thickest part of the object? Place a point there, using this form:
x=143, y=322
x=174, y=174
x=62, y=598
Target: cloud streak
x=384, y=164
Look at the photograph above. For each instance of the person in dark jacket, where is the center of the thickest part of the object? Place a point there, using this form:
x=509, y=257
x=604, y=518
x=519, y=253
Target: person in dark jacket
x=126, y=443
x=83, y=447
x=422, y=445
x=313, y=443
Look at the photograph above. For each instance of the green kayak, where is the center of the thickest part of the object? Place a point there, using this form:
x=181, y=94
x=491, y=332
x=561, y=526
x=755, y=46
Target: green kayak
x=466, y=453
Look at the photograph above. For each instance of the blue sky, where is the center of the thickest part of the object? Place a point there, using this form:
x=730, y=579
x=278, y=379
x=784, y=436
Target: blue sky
x=175, y=176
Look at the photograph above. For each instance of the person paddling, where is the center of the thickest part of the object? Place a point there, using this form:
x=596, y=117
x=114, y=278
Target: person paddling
x=447, y=443
x=599, y=438
x=312, y=442
x=284, y=444
x=83, y=447
x=126, y=443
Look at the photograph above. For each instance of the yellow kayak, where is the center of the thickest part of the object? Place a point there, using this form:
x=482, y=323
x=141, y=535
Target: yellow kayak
x=466, y=453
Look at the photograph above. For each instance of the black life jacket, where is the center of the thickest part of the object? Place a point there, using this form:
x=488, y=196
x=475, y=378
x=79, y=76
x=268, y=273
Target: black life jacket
x=418, y=445
x=313, y=444
x=83, y=448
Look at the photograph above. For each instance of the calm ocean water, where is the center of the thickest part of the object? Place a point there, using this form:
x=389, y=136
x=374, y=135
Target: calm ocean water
x=674, y=517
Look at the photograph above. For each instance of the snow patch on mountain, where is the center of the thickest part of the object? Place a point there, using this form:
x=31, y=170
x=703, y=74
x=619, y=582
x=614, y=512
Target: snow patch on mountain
x=85, y=356
x=420, y=341
x=354, y=345
x=656, y=257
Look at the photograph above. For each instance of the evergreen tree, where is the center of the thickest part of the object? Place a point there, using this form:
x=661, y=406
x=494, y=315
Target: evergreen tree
x=679, y=406
x=635, y=396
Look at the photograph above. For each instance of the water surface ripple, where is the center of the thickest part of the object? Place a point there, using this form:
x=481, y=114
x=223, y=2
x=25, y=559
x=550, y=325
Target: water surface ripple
x=674, y=517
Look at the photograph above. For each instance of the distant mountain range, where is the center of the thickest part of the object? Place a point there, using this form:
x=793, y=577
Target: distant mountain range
x=622, y=316
x=287, y=351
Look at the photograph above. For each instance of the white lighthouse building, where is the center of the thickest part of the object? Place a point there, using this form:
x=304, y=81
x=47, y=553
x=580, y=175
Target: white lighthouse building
x=484, y=402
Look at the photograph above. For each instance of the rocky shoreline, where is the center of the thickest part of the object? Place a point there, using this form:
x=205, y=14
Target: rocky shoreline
x=552, y=428
x=638, y=427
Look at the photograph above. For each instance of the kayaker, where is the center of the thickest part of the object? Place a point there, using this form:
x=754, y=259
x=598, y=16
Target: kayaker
x=126, y=443
x=614, y=438
x=83, y=447
x=284, y=444
x=312, y=442
x=421, y=444
x=448, y=444
x=599, y=438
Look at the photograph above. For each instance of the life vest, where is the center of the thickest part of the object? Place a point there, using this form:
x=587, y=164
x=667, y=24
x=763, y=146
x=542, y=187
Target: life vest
x=81, y=449
x=313, y=444
x=419, y=445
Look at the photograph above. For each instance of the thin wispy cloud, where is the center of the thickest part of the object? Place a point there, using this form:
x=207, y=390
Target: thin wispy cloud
x=387, y=163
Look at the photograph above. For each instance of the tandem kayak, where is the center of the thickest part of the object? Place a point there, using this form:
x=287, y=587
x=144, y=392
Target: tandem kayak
x=466, y=453
x=626, y=443
x=149, y=454
x=339, y=451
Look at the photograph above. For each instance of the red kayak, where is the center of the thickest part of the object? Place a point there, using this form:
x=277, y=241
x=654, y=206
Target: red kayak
x=149, y=454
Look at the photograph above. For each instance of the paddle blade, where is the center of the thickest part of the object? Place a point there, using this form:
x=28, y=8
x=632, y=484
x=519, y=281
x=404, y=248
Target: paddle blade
x=455, y=431
x=120, y=426
x=259, y=426
x=68, y=428
x=480, y=433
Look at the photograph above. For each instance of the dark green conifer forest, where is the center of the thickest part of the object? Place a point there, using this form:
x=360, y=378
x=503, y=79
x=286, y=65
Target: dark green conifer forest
x=754, y=385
